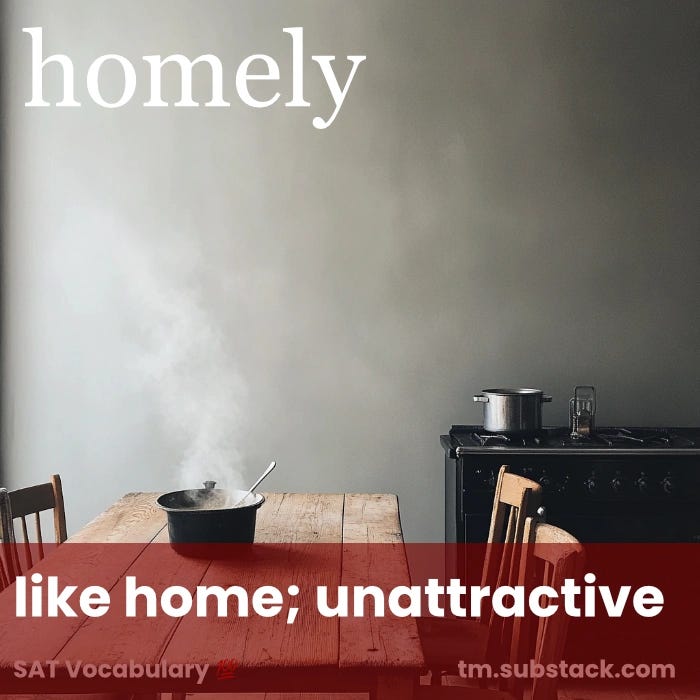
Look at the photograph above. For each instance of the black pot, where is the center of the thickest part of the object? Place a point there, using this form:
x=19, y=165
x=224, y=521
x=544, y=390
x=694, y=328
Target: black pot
x=202, y=516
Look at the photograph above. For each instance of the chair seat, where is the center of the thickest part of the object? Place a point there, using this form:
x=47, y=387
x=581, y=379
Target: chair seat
x=448, y=641
x=458, y=692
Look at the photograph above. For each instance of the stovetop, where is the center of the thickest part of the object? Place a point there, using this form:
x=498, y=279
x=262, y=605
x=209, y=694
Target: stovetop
x=611, y=440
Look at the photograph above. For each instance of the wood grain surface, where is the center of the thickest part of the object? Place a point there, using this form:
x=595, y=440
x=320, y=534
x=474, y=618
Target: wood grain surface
x=379, y=642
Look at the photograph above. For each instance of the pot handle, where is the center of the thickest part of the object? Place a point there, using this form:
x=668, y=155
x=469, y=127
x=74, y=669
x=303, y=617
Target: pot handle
x=480, y=398
x=546, y=398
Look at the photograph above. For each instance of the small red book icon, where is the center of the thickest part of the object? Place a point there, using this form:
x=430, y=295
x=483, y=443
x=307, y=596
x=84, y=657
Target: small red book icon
x=226, y=669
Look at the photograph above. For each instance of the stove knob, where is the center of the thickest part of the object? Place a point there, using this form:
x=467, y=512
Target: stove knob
x=617, y=484
x=563, y=485
x=491, y=481
x=668, y=484
x=544, y=479
x=642, y=483
x=590, y=484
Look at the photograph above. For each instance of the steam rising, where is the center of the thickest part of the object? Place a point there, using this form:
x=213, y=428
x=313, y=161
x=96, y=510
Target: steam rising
x=191, y=372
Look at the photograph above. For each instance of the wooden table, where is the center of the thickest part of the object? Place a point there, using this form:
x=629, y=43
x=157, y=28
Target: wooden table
x=380, y=656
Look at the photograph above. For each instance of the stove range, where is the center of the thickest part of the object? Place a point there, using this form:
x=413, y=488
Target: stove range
x=615, y=484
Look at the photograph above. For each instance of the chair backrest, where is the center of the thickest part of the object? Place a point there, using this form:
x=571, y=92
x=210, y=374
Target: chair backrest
x=549, y=556
x=6, y=540
x=516, y=499
x=18, y=506
x=4, y=576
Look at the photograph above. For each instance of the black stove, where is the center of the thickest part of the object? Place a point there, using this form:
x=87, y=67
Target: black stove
x=613, y=485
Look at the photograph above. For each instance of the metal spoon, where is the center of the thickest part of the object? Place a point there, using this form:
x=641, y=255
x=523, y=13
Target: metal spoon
x=264, y=475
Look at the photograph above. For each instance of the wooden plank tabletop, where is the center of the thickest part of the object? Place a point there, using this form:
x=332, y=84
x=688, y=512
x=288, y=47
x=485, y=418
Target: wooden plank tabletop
x=381, y=646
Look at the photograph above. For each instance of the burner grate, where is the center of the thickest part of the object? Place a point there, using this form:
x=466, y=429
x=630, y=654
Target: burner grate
x=491, y=439
x=603, y=438
x=629, y=437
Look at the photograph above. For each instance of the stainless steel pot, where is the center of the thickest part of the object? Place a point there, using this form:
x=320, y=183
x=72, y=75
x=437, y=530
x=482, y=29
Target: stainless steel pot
x=512, y=410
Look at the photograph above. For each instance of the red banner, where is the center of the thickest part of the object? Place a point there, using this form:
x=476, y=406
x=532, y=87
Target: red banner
x=345, y=618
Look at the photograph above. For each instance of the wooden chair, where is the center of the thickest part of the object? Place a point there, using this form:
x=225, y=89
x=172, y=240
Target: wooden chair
x=19, y=505
x=446, y=641
x=548, y=557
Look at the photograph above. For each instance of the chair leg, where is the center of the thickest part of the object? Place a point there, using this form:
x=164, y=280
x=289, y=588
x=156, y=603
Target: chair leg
x=435, y=676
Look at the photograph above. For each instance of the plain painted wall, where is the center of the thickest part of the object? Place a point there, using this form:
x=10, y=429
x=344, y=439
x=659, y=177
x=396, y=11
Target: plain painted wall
x=508, y=196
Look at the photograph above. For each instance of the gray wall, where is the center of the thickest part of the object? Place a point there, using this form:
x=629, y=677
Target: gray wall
x=508, y=196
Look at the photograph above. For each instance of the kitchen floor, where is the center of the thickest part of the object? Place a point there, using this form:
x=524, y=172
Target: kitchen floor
x=567, y=693
x=604, y=691
x=608, y=693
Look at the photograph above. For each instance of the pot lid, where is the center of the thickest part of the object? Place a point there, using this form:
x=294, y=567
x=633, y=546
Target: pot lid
x=519, y=391
x=207, y=500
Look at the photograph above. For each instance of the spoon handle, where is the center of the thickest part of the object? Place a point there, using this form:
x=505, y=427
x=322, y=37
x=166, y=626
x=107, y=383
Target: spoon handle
x=264, y=475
